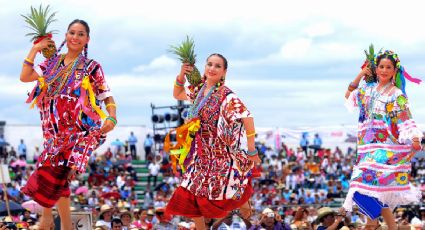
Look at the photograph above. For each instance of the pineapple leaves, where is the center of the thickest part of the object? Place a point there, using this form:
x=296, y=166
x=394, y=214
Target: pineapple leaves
x=38, y=20
x=185, y=51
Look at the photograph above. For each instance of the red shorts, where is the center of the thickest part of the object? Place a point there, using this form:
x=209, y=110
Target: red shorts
x=184, y=203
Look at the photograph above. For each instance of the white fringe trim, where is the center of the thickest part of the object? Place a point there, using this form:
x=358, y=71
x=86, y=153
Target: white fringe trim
x=392, y=199
x=408, y=131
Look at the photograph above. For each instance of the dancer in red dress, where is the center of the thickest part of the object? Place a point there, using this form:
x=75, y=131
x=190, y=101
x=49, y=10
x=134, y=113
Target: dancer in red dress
x=69, y=92
x=218, y=173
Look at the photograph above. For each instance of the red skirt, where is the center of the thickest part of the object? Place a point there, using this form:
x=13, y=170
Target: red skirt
x=47, y=184
x=184, y=203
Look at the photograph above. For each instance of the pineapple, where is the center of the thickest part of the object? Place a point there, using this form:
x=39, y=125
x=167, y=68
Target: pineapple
x=186, y=53
x=370, y=60
x=38, y=21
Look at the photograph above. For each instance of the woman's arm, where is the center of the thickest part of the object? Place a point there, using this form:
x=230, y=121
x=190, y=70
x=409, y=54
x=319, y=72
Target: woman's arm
x=248, y=122
x=28, y=74
x=355, y=83
x=111, y=107
x=179, y=91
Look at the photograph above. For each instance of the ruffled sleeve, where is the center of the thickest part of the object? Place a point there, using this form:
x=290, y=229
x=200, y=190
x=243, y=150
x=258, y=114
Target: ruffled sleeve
x=233, y=108
x=97, y=78
x=355, y=100
x=402, y=117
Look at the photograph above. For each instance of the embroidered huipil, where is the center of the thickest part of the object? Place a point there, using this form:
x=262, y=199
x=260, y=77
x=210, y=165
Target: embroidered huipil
x=385, y=131
x=219, y=169
x=70, y=135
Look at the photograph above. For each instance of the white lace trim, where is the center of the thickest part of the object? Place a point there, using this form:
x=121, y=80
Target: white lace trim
x=392, y=199
x=408, y=130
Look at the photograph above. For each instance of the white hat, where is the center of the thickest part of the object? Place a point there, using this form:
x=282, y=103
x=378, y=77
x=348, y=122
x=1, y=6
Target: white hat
x=267, y=210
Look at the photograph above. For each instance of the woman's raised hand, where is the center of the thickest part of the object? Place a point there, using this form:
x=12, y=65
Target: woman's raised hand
x=185, y=69
x=366, y=71
x=43, y=44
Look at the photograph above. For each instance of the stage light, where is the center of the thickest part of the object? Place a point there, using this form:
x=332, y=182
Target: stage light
x=156, y=118
x=171, y=117
x=159, y=138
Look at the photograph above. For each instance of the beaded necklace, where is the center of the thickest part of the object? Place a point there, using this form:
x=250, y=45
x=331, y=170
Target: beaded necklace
x=60, y=77
x=200, y=101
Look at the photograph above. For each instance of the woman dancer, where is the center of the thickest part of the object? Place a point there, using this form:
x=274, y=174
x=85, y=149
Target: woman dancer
x=69, y=93
x=387, y=139
x=218, y=174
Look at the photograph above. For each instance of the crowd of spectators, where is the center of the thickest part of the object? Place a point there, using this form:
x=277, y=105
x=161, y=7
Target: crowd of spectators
x=300, y=187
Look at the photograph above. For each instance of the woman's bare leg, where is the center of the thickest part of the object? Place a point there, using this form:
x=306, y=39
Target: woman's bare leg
x=199, y=223
x=389, y=218
x=46, y=219
x=64, y=205
x=245, y=210
x=371, y=224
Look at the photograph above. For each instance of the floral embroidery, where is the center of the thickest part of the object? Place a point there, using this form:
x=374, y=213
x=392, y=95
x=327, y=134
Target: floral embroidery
x=381, y=160
x=221, y=170
x=402, y=178
x=369, y=176
x=381, y=135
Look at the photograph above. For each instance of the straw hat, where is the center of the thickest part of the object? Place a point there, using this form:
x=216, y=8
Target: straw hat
x=150, y=212
x=126, y=212
x=104, y=208
x=322, y=212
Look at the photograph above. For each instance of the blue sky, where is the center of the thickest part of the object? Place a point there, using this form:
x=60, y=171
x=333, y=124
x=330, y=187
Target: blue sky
x=289, y=61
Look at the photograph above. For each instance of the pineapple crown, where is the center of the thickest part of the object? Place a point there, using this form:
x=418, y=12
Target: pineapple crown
x=38, y=21
x=185, y=51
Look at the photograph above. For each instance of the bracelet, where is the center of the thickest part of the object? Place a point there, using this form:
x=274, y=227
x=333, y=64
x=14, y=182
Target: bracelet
x=252, y=153
x=352, y=86
x=178, y=84
x=111, y=104
x=250, y=134
x=28, y=62
x=112, y=119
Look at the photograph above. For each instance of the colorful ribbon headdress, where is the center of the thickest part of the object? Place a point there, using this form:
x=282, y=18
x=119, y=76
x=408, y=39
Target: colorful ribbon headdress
x=401, y=75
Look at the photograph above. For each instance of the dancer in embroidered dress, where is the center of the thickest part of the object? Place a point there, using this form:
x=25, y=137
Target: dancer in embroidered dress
x=218, y=172
x=387, y=139
x=69, y=93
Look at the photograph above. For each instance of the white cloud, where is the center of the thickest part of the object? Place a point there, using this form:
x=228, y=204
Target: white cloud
x=319, y=29
x=160, y=63
x=130, y=38
x=296, y=49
